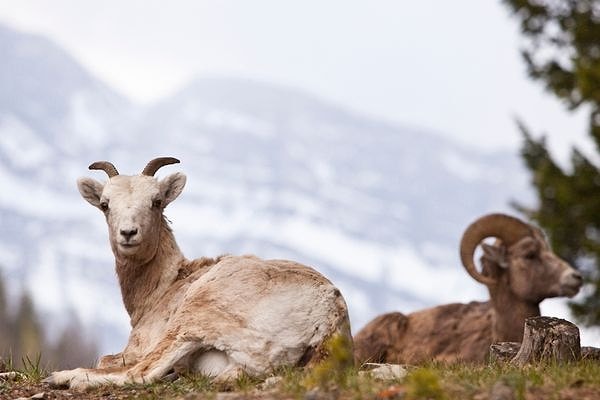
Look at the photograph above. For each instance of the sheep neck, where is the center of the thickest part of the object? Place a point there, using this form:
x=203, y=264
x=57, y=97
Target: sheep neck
x=144, y=283
x=510, y=314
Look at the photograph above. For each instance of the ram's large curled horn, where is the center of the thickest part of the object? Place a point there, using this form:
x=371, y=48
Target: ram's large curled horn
x=155, y=164
x=106, y=167
x=506, y=228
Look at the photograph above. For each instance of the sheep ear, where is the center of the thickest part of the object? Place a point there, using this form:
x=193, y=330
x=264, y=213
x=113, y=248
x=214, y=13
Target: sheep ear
x=172, y=186
x=91, y=190
x=495, y=254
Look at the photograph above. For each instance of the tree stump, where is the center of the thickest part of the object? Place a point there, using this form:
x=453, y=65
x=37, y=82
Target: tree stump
x=548, y=339
x=503, y=351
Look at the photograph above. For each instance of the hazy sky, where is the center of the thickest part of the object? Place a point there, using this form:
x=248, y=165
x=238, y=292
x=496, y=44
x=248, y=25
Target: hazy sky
x=452, y=67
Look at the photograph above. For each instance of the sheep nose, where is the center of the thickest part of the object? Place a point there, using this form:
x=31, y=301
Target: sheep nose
x=128, y=233
x=577, y=276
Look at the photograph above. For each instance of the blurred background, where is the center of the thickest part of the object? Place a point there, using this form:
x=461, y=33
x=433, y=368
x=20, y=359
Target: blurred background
x=357, y=137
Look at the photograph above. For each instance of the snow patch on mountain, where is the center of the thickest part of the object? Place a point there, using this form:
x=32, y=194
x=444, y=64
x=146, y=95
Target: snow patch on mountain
x=20, y=144
x=379, y=209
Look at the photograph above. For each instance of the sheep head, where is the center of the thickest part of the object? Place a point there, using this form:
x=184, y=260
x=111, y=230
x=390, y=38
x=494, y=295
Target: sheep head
x=133, y=205
x=520, y=259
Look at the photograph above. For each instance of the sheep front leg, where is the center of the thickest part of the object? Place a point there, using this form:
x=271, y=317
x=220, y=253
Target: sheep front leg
x=162, y=360
x=152, y=367
x=81, y=378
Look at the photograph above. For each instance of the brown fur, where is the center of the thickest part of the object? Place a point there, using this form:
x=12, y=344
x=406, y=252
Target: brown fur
x=526, y=273
x=440, y=333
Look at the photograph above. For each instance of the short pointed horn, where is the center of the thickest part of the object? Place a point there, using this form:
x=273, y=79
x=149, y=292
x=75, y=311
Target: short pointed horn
x=155, y=164
x=504, y=227
x=106, y=167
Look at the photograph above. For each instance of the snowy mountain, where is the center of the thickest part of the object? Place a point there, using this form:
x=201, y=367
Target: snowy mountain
x=273, y=171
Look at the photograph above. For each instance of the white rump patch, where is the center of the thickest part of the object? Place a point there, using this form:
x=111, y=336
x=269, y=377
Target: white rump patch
x=211, y=363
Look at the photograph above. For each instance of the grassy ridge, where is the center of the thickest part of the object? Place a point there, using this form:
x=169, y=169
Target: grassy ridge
x=434, y=381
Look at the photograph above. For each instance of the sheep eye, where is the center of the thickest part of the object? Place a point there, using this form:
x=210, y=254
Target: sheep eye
x=156, y=203
x=531, y=255
x=104, y=206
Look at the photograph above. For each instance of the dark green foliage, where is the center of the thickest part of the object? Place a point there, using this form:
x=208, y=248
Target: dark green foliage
x=562, y=51
x=27, y=335
x=5, y=329
x=74, y=348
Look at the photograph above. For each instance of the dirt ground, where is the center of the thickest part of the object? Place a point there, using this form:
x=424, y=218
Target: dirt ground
x=44, y=391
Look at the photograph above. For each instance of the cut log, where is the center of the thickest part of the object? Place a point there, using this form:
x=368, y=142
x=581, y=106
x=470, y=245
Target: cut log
x=503, y=351
x=590, y=353
x=548, y=339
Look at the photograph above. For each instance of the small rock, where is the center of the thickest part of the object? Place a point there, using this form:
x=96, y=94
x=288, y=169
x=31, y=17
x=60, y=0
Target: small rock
x=227, y=396
x=501, y=391
x=193, y=396
x=385, y=371
x=34, y=397
x=392, y=392
x=311, y=394
x=270, y=382
x=12, y=375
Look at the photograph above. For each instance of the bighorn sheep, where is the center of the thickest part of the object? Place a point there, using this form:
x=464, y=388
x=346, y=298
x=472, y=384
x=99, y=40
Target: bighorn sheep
x=519, y=269
x=218, y=317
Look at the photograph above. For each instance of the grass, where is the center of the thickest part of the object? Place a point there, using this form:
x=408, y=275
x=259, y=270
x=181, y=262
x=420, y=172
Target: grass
x=336, y=378
x=32, y=373
x=32, y=368
x=465, y=381
x=424, y=383
x=437, y=381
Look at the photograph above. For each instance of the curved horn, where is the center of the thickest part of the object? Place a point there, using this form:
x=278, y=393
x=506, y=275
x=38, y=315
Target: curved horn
x=106, y=167
x=506, y=228
x=155, y=164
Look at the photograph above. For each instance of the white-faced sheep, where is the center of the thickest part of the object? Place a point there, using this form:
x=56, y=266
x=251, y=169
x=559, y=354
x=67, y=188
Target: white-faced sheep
x=519, y=269
x=218, y=317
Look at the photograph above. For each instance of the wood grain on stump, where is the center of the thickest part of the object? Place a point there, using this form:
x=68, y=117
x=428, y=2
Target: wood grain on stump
x=548, y=339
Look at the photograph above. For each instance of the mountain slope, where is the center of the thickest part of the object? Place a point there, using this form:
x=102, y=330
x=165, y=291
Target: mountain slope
x=272, y=171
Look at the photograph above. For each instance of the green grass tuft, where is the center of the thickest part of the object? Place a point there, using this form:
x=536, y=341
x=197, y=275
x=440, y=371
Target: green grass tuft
x=335, y=369
x=32, y=368
x=424, y=383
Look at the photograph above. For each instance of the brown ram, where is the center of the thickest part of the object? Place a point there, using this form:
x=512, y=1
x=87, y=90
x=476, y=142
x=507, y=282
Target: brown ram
x=519, y=269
